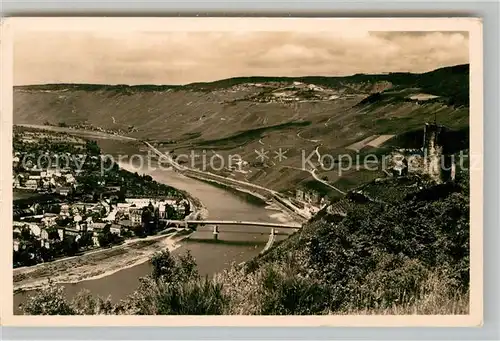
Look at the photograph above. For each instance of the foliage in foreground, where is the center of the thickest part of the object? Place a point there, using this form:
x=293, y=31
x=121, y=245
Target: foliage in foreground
x=404, y=258
x=173, y=288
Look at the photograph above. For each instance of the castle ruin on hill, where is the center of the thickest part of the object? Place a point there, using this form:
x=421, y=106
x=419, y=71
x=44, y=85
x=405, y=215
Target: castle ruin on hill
x=438, y=162
x=434, y=159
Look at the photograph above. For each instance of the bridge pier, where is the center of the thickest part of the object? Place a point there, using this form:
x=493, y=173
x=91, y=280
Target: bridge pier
x=216, y=232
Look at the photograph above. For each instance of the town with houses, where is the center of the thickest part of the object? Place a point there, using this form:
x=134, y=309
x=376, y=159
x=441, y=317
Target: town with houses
x=64, y=211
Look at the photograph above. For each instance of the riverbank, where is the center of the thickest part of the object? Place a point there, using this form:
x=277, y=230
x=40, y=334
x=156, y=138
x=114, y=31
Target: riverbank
x=100, y=263
x=199, y=211
x=243, y=186
x=274, y=202
x=94, y=265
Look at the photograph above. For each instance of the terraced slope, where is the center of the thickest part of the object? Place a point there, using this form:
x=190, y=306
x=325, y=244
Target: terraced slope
x=241, y=115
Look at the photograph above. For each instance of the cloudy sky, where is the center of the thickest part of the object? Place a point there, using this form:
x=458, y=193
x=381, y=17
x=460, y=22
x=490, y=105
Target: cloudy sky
x=185, y=57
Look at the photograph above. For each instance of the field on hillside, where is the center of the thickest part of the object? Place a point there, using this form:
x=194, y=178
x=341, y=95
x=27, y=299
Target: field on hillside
x=241, y=116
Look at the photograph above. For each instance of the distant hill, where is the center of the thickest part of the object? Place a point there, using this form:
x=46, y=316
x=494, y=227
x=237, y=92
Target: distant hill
x=451, y=82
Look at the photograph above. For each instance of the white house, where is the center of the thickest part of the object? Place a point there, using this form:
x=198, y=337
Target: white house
x=63, y=190
x=70, y=178
x=141, y=202
x=77, y=218
x=49, y=220
x=123, y=207
x=34, y=229
x=51, y=172
x=44, y=235
x=45, y=184
x=112, y=215
x=96, y=226
x=163, y=210
x=136, y=216
x=116, y=229
x=31, y=184
x=17, y=181
x=106, y=206
x=64, y=210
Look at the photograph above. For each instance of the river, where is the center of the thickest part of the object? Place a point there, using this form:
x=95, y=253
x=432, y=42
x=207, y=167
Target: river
x=236, y=243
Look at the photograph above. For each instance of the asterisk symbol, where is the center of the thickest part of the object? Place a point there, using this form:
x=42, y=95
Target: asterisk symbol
x=280, y=154
x=261, y=154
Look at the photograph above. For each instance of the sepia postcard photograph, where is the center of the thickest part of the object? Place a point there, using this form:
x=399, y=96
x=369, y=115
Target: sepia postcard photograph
x=242, y=171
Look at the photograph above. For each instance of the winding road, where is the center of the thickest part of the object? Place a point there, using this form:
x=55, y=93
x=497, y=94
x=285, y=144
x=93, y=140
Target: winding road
x=313, y=173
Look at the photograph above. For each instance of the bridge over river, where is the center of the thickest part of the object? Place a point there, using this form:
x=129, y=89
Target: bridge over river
x=231, y=222
x=217, y=223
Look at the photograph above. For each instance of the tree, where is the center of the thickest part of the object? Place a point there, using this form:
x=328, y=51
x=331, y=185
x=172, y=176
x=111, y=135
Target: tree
x=56, y=209
x=92, y=148
x=121, y=194
x=168, y=268
x=163, y=265
x=85, y=304
x=186, y=267
x=53, y=234
x=139, y=231
x=47, y=254
x=171, y=212
x=85, y=240
x=195, y=297
x=48, y=301
x=187, y=208
x=175, y=288
x=105, y=237
x=63, y=221
x=89, y=182
x=26, y=235
x=25, y=256
x=70, y=246
x=148, y=219
x=126, y=233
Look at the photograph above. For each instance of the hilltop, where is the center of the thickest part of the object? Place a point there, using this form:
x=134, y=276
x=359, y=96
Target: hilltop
x=238, y=116
x=450, y=82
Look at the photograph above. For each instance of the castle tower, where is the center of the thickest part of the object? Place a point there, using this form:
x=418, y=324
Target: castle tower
x=437, y=162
